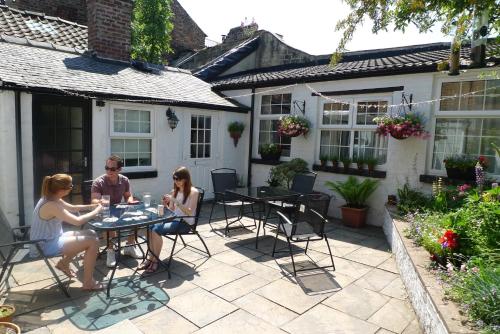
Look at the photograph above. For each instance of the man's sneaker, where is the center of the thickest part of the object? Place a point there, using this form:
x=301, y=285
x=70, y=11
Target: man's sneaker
x=110, y=258
x=132, y=252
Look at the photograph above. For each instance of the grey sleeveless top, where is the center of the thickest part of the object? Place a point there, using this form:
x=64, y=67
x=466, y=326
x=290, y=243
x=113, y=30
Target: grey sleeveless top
x=44, y=229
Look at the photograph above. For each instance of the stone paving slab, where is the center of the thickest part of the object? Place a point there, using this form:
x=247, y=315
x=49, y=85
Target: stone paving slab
x=238, y=289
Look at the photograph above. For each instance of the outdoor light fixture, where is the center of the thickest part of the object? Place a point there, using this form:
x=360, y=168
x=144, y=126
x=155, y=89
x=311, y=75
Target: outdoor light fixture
x=100, y=104
x=172, y=119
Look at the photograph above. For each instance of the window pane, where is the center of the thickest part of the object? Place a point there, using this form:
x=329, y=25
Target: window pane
x=276, y=104
x=336, y=113
x=119, y=115
x=449, y=89
x=132, y=121
x=335, y=142
x=117, y=145
x=492, y=95
x=145, y=145
x=132, y=115
x=119, y=126
x=208, y=122
x=131, y=145
x=268, y=134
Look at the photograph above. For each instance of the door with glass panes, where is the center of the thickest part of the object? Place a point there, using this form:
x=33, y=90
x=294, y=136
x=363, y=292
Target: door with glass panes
x=201, y=150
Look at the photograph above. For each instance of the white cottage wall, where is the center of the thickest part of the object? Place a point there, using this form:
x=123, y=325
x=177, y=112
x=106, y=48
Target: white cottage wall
x=27, y=142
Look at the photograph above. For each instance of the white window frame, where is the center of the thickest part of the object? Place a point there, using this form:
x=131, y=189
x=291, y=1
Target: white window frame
x=437, y=113
x=121, y=135
x=351, y=126
x=211, y=136
x=259, y=116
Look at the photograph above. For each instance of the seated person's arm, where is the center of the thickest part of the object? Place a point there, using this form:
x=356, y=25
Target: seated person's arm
x=95, y=197
x=128, y=196
x=77, y=208
x=57, y=210
x=189, y=208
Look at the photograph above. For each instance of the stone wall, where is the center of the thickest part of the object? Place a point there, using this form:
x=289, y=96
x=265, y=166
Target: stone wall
x=187, y=35
x=71, y=10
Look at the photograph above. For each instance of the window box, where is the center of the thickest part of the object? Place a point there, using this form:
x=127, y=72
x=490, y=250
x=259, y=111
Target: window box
x=377, y=174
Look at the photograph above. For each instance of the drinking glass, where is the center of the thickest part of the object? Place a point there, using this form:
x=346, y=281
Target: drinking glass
x=147, y=199
x=105, y=201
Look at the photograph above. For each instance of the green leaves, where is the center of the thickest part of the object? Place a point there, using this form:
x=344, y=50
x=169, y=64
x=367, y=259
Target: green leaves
x=151, y=30
x=355, y=193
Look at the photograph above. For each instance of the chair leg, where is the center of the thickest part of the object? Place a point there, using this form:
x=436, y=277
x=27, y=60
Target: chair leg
x=6, y=263
x=307, y=245
x=291, y=255
x=275, y=240
x=203, y=242
x=226, y=232
x=253, y=216
x=210, y=217
x=182, y=239
x=267, y=215
x=330, y=251
x=47, y=262
x=172, y=252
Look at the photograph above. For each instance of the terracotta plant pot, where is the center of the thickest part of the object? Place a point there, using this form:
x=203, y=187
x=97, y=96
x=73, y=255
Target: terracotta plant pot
x=323, y=163
x=236, y=137
x=335, y=164
x=6, y=312
x=9, y=328
x=354, y=217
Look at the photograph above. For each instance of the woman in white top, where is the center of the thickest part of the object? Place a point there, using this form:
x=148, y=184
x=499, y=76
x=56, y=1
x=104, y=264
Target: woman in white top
x=182, y=200
x=48, y=216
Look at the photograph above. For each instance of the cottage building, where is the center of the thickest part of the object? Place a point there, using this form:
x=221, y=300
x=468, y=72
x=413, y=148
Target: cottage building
x=70, y=97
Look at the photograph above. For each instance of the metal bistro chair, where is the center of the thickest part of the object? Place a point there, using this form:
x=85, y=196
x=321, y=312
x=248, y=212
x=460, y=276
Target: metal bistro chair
x=192, y=230
x=223, y=179
x=17, y=251
x=302, y=183
x=305, y=225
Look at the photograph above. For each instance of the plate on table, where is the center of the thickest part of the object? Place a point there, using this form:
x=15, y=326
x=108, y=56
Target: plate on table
x=110, y=219
x=134, y=213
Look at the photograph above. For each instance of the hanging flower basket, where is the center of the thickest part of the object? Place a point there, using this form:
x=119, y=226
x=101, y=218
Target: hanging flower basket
x=235, y=130
x=401, y=126
x=293, y=126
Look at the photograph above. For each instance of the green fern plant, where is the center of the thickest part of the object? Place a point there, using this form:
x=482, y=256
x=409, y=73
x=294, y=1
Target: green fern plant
x=355, y=193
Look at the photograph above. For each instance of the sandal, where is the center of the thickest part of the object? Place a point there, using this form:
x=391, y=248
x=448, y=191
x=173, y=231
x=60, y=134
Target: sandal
x=145, y=265
x=95, y=287
x=153, y=267
x=65, y=269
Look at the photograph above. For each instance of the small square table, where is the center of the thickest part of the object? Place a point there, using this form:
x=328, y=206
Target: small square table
x=262, y=195
x=129, y=217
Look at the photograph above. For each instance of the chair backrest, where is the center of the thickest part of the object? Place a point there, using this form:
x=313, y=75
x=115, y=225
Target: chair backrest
x=304, y=182
x=198, y=206
x=223, y=179
x=312, y=209
x=86, y=190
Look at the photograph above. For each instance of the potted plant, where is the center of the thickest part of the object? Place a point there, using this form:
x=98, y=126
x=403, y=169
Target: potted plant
x=235, y=130
x=401, y=126
x=346, y=163
x=293, y=126
x=360, y=163
x=9, y=328
x=6, y=312
x=270, y=152
x=462, y=167
x=335, y=161
x=323, y=159
x=355, y=194
x=371, y=162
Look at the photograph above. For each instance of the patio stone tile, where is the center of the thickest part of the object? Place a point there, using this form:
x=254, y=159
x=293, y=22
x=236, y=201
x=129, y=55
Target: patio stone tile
x=240, y=287
x=376, y=243
x=322, y=319
x=357, y=301
x=289, y=295
x=217, y=276
x=368, y=256
x=265, y=309
x=338, y=248
x=34, y=271
x=125, y=326
x=190, y=270
x=376, y=279
x=317, y=281
x=201, y=307
x=174, y=286
x=215, y=245
x=260, y=270
x=237, y=255
x=395, y=316
x=395, y=289
x=347, y=267
x=188, y=254
x=42, y=318
x=242, y=322
x=41, y=330
x=389, y=265
x=413, y=328
x=384, y=331
x=162, y=321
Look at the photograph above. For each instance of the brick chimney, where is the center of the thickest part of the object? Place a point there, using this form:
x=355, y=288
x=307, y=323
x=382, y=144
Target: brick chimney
x=109, y=28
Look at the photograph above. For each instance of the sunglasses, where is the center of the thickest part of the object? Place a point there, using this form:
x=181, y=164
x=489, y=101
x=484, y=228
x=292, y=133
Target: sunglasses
x=176, y=178
x=113, y=169
x=69, y=187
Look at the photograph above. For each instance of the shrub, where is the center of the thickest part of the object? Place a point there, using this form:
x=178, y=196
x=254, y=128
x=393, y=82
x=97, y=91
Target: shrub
x=411, y=200
x=283, y=174
x=355, y=193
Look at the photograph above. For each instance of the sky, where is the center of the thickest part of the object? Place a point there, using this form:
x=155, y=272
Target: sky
x=308, y=25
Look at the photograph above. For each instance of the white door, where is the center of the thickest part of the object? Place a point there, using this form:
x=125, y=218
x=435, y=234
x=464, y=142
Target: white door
x=202, y=149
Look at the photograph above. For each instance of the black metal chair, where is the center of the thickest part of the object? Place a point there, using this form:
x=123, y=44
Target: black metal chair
x=303, y=183
x=222, y=180
x=192, y=230
x=17, y=250
x=306, y=224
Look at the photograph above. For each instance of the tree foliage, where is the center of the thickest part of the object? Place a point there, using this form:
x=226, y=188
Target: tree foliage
x=151, y=30
x=454, y=15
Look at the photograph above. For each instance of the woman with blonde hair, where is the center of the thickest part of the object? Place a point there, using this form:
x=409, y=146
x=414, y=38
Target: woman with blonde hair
x=50, y=211
x=182, y=200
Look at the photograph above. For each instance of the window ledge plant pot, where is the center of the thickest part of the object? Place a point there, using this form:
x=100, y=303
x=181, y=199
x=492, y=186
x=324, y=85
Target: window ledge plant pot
x=9, y=328
x=468, y=174
x=354, y=217
x=6, y=312
x=270, y=156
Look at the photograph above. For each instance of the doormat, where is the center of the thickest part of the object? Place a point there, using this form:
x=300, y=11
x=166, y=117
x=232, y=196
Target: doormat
x=128, y=299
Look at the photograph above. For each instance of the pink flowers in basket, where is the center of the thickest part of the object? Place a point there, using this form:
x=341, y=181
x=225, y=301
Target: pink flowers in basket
x=401, y=126
x=293, y=126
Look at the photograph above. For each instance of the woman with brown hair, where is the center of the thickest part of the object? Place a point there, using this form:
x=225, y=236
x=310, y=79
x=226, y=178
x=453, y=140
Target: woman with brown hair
x=50, y=211
x=182, y=200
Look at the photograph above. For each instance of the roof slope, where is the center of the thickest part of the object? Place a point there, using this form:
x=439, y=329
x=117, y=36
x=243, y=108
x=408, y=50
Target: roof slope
x=41, y=28
x=401, y=60
x=33, y=68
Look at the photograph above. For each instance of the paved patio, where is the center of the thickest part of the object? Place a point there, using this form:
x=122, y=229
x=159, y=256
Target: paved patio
x=238, y=289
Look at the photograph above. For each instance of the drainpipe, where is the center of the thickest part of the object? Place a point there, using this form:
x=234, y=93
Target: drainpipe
x=19, y=155
x=250, y=146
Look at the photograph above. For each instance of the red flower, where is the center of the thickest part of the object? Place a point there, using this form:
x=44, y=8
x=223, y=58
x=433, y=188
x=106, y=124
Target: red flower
x=449, y=240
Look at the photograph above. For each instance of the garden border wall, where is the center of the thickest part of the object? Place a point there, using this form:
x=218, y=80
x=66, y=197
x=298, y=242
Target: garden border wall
x=436, y=316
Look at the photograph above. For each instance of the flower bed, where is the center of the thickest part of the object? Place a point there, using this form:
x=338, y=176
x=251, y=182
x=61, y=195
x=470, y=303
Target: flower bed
x=459, y=227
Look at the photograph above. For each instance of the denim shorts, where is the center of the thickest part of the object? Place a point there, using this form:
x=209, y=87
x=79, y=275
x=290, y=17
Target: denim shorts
x=50, y=248
x=170, y=227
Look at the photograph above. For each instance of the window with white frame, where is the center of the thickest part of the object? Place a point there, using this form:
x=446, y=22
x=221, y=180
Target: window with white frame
x=468, y=122
x=132, y=137
x=348, y=130
x=201, y=132
x=271, y=109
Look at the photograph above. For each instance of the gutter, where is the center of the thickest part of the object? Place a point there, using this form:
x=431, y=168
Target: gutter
x=250, y=146
x=19, y=156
